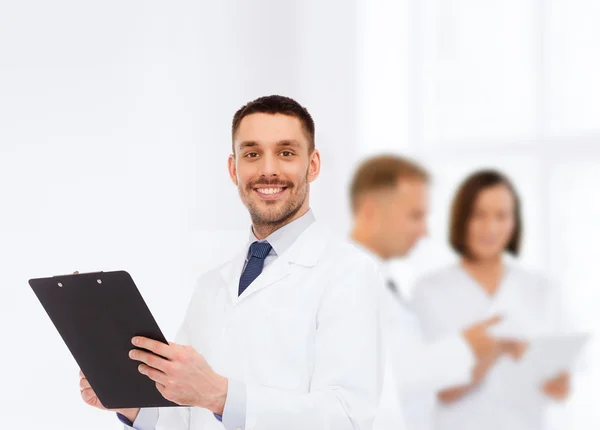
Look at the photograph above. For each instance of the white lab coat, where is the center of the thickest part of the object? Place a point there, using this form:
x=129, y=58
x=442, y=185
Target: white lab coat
x=415, y=370
x=303, y=338
x=451, y=300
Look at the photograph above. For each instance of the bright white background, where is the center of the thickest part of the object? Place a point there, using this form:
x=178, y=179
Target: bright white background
x=510, y=84
x=114, y=134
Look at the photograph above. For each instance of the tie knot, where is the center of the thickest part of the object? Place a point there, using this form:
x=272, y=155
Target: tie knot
x=260, y=249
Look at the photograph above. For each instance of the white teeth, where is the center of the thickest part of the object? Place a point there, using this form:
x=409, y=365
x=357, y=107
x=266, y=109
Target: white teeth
x=269, y=190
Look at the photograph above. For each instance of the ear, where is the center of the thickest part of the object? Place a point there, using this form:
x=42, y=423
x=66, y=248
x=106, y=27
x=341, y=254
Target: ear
x=374, y=205
x=367, y=206
x=232, y=169
x=314, y=167
x=365, y=209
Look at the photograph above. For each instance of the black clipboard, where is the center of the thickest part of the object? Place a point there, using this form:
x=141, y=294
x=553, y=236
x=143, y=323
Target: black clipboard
x=97, y=314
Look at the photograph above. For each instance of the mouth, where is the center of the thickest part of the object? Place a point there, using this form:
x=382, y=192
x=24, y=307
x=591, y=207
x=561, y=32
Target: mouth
x=488, y=242
x=270, y=193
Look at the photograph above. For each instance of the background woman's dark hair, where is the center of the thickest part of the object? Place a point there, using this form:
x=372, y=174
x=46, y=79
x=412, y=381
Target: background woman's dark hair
x=464, y=201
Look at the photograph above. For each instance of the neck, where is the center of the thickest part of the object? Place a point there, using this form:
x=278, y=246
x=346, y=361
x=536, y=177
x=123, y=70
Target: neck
x=483, y=264
x=365, y=238
x=264, y=230
x=488, y=272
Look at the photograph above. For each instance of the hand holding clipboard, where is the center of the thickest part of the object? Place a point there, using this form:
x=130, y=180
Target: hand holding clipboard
x=126, y=362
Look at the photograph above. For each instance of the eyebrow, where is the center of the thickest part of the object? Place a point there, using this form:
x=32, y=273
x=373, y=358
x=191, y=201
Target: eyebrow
x=287, y=143
x=281, y=143
x=248, y=144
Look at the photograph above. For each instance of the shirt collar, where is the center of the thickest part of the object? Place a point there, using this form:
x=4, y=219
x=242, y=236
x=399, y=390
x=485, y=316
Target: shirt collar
x=283, y=238
x=383, y=265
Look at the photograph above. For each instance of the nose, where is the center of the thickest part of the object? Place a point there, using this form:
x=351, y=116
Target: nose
x=491, y=226
x=269, y=166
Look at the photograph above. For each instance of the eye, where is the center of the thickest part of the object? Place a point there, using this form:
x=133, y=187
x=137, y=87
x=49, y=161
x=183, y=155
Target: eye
x=287, y=153
x=251, y=155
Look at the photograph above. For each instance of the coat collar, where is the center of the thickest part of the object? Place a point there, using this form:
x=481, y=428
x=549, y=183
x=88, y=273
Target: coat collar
x=306, y=251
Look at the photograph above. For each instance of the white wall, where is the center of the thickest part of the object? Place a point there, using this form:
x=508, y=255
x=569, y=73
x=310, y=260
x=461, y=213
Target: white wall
x=114, y=136
x=114, y=133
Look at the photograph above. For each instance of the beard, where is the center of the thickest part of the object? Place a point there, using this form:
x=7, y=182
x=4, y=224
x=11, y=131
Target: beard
x=277, y=212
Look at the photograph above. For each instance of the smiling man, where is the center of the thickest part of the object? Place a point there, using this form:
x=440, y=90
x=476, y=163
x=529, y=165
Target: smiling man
x=285, y=334
x=273, y=188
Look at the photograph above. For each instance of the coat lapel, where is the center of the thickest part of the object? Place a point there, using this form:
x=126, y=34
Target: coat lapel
x=305, y=251
x=231, y=272
x=276, y=271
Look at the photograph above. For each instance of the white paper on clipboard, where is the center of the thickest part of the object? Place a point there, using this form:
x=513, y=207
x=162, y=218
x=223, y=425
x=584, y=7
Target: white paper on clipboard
x=547, y=356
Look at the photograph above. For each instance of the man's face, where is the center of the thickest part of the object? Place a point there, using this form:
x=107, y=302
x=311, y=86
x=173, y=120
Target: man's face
x=272, y=167
x=403, y=216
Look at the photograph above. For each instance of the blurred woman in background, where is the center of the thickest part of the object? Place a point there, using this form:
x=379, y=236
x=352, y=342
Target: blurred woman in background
x=485, y=224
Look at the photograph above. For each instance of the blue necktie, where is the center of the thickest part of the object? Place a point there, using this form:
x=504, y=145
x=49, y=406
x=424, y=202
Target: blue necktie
x=393, y=287
x=396, y=291
x=258, y=253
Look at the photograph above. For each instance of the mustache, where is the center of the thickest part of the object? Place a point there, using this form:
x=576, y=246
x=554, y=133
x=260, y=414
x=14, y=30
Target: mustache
x=275, y=183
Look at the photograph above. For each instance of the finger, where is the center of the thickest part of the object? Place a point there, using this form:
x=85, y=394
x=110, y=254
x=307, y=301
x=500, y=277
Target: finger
x=91, y=398
x=492, y=321
x=150, y=359
x=156, y=347
x=88, y=394
x=161, y=389
x=509, y=343
x=81, y=375
x=166, y=394
x=154, y=374
x=83, y=384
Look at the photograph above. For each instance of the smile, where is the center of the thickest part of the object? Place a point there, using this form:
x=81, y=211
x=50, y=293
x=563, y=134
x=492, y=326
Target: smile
x=271, y=192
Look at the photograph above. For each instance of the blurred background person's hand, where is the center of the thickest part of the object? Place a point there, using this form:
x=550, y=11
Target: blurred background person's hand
x=557, y=388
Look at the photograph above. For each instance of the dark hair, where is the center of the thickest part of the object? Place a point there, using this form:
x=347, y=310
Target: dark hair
x=275, y=104
x=383, y=172
x=464, y=201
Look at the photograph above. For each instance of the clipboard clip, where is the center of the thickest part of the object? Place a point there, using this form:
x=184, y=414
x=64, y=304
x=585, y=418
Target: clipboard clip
x=98, y=280
x=77, y=273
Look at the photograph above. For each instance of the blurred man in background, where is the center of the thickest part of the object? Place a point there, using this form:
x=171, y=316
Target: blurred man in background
x=389, y=196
